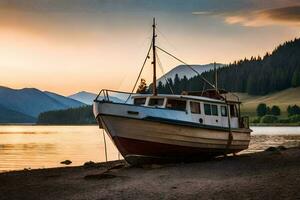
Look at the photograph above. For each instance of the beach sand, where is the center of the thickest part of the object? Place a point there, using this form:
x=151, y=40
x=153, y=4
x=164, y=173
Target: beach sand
x=259, y=175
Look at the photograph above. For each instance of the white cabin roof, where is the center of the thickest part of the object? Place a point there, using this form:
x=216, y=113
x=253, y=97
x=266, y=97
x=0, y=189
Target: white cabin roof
x=186, y=97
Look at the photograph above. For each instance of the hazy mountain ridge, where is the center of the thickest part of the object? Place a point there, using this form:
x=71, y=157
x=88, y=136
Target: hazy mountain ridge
x=183, y=70
x=84, y=97
x=28, y=103
x=88, y=97
x=65, y=100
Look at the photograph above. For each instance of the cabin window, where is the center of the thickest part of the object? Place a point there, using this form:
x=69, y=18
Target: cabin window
x=207, y=109
x=233, y=111
x=224, y=111
x=195, y=107
x=176, y=104
x=156, y=102
x=214, y=110
x=139, y=101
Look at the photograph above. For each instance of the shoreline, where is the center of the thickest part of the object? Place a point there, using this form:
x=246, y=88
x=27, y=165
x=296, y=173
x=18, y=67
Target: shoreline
x=33, y=124
x=273, y=174
x=28, y=124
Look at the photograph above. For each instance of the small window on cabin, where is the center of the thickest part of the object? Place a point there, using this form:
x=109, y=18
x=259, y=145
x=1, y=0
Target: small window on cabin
x=214, y=110
x=224, y=111
x=195, y=107
x=139, y=101
x=175, y=104
x=156, y=102
x=207, y=109
x=233, y=111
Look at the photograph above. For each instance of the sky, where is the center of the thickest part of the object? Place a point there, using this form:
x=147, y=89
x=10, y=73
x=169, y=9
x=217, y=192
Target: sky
x=67, y=46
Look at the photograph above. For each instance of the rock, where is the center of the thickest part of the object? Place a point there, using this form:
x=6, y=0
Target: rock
x=281, y=148
x=66, y=162
x=271, y=149
x=90, y=164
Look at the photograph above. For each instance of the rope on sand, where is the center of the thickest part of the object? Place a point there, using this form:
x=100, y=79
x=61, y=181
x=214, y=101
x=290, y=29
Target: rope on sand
x=105, y=149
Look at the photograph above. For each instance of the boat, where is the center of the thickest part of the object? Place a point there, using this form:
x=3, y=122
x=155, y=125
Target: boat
x=155, y=128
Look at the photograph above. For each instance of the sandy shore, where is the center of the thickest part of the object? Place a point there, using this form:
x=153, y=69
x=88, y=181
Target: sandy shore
x=260, y=175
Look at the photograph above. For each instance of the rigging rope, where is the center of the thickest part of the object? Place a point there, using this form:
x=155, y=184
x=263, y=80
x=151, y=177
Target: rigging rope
x=162, y=70
x=203, y=89
x=140, y=72
x=204, y=79
x=166, y=39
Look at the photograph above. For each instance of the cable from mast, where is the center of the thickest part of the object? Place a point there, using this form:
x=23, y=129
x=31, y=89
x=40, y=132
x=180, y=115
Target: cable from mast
x=204, y=79
x=162, y=70
x=144, y=63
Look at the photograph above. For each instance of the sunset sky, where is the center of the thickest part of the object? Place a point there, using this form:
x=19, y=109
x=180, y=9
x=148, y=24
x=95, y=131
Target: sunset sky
x=66, y=46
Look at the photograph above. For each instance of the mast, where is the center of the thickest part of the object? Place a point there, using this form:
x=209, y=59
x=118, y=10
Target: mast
x=216, y=77
x=154, y=59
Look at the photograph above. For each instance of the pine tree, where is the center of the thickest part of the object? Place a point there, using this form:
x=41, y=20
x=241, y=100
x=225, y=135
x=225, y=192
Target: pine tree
x=275, y=110
x=296, y=78
x=261, y=109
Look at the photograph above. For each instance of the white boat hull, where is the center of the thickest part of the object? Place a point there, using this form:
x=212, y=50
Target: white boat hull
x=147, y=137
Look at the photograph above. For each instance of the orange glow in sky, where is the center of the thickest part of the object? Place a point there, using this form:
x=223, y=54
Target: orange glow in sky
x=66, y=50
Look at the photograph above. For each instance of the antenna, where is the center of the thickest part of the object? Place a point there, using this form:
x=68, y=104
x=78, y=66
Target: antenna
x=154, y=59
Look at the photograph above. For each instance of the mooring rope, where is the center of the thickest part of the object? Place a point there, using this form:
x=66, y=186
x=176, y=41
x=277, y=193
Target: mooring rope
x=105, y=148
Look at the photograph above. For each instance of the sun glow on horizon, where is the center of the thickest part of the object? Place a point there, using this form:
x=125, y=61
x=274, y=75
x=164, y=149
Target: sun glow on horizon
x=67, y=52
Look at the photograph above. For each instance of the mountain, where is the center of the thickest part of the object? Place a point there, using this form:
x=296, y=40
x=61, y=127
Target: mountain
x=184, y=70
x=27, y=103
x=88, y=98
x=68, y=102
x=271, y=73
x=10, y=116
x=84, y=97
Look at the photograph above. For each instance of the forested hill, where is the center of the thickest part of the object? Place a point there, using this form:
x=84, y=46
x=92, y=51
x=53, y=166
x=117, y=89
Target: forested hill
x=82, y=115
x=256, y=76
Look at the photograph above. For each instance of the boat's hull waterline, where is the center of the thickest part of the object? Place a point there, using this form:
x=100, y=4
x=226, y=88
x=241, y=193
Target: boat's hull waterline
x=144, y=140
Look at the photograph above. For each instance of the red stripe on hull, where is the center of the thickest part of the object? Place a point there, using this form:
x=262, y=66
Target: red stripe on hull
x=128, y=147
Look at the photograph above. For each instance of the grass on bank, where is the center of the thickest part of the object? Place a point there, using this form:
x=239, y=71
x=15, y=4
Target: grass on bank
x=282, y=99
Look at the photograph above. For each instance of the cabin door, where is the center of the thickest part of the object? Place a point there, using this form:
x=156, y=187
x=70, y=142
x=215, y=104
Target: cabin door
x=233, y=116
x=212, y=116
x=196, y=113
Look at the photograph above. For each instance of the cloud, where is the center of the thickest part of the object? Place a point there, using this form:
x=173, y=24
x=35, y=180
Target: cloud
x=202, y=13
x=286, y=16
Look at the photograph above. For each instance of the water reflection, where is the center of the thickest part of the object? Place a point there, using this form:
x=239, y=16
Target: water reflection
x=46, y=146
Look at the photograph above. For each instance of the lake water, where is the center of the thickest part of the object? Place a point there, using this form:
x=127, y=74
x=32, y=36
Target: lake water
x=46, y=146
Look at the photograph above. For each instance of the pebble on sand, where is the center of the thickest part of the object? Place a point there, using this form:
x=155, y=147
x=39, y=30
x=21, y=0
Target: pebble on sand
x=89, y=164
x=66, y=162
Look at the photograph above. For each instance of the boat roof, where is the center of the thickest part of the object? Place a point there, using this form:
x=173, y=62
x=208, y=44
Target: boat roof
x=186, y=97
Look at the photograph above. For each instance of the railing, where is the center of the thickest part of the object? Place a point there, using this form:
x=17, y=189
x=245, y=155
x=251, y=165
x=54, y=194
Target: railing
x=114, y=96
